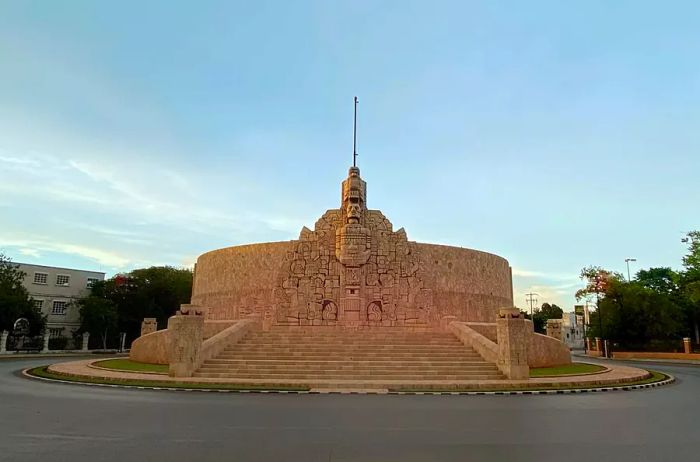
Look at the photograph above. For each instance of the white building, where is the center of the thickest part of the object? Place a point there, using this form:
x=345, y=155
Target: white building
x=53, y=289
x=569, y=329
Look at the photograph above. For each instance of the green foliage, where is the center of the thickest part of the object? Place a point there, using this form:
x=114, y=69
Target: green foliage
x=124, y=364
x=155, y=292
x=58, y=343
x=540, y=316
x=651, y=312
x=634, y=315
x=689, y=283
x=568, y=369
x=597, y=280
x=662, y=280
x=98, y=316
x=691, y=261
x=15, y=301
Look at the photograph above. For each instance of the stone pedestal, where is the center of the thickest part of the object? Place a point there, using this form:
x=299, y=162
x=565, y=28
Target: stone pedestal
x=588, y=345
x=45, y=349
x=184, y=344
x=148, y=325
x=512, y=331
x=3, y=341
x=86, y=339
x=686, y=345
x=599, y=345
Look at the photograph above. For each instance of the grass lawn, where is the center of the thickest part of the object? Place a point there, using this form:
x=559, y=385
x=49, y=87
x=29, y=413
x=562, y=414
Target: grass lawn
x=569, y=369
x=655, y=377
x=133, y=366
x=43, y=372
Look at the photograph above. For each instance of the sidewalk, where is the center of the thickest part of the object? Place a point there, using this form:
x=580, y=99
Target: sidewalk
x=58, y=354
x=681, y=362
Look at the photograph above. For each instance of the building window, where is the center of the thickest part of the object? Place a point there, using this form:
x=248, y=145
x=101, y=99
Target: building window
x=41, y=278
x=62, y=279
x=38, y=304
x=56, y=332
x=91, y=282
x=59, y=307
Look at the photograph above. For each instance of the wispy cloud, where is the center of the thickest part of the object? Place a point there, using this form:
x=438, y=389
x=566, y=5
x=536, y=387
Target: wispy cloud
x=35, y=245
x=29, y=252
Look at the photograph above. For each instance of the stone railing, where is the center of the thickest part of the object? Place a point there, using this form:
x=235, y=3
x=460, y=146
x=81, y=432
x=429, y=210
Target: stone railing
x=542, y=351
x=487, y=329
x=509, y=352
x=187, y=350
x=482, y=345
x=213, y=346
x=151, y=348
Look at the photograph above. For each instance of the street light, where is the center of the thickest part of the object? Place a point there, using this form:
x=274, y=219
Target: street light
x=628, y=260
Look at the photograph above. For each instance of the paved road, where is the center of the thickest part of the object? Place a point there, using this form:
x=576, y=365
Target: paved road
x=54, y=422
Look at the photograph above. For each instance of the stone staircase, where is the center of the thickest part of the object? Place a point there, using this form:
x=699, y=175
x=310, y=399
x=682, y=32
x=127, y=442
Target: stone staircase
x=364, y=358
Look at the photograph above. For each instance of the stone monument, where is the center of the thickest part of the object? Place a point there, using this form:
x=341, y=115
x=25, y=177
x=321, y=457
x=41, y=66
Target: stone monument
x=352, y=270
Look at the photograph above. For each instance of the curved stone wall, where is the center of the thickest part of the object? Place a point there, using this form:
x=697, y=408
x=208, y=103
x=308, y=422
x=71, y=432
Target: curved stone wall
x=237, y=281
x=232, y=281
x=468, y=284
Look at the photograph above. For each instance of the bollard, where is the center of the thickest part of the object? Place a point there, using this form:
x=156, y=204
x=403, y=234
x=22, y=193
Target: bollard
x=3, y=341
x=687, y=348
x=46, y=343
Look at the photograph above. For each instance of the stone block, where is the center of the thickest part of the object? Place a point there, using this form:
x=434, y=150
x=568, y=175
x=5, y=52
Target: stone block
x=184, y=344
x=512, y=332
x=148, y=325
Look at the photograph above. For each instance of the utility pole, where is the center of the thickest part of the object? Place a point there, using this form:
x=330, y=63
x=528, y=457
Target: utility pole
x=530, y=298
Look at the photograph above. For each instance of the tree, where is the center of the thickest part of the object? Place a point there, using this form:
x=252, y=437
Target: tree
x=155, y=292
x=541, y=315
x=636, y=316
x=689, y=282
x=15, y=301
x=661, y=280
x=98, y=316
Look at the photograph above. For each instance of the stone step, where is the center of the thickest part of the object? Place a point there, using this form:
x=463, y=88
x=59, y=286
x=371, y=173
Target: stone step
x=354, y=337
x=348, y=341
x=346, y=367
x=337, y=355
x=356, y=356
x=327, y=362
x=353, y=376
x=343, y=348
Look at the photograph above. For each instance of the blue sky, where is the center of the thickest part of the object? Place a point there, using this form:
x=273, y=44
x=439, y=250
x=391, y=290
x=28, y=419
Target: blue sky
x=556, y=134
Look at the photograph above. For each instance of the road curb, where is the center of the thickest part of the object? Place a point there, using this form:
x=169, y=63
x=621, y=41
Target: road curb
x=669, y=380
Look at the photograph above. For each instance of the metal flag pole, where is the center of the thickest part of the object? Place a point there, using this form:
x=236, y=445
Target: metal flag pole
x=354, y=137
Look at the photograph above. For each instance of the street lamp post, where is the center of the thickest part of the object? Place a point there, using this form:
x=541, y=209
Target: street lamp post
x=628, y=260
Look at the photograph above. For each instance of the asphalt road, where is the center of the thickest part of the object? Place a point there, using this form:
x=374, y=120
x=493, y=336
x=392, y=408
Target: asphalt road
x=55, y=422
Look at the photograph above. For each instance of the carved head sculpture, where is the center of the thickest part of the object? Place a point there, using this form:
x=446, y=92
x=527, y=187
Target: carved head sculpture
x=353, y=196
x=353, y=211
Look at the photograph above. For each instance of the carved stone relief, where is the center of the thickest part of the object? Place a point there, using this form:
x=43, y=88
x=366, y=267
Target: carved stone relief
x=352, y=269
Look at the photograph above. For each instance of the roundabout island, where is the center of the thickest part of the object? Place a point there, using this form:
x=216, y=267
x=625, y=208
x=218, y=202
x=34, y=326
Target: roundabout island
x=576, y=377
x=351, y=305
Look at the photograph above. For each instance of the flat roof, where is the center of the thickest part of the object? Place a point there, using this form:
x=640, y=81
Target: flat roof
x=57, y=267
